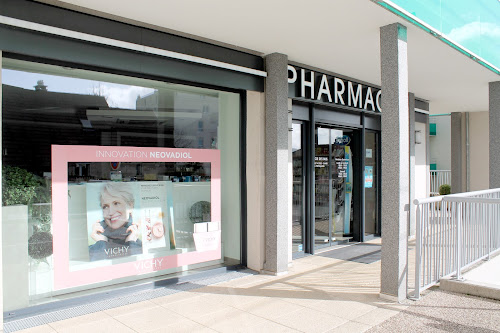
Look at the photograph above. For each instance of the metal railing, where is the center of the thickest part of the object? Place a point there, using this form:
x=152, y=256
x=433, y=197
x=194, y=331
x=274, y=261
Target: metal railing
x=438, y=178
x=454, y=232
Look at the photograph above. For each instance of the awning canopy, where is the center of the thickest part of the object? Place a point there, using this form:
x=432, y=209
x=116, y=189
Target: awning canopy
x=340, y=36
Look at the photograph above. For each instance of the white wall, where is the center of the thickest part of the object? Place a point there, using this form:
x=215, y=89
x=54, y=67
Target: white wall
x=255, y=180
x=421, y=165
x=441, y=143
x=479, y=150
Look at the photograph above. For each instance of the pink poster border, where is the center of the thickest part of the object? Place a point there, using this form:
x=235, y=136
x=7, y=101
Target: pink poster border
x=61, y=155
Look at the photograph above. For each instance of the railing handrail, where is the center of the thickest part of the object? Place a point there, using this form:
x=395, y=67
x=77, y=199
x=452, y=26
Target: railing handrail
x=450, y=197
x=438, y=178
x=454, y=232
x=470, y=194
x=428, y=200
x=473, y=200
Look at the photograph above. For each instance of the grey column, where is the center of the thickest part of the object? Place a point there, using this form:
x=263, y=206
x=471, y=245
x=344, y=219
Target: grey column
x=395, y=160
x=276, y=253
x=494, y=119
x=456, y=153
x=411, y=212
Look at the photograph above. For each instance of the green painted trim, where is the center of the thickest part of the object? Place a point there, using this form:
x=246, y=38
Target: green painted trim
x=402, y=33
x=436, y=34
x=432, y=129
x=440, y=115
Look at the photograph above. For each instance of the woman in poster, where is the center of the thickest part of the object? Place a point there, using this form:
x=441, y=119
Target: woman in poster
x=116, y=235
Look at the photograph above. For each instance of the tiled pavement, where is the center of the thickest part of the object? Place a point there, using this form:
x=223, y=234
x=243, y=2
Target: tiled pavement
x=440, y=311
x=322, y=293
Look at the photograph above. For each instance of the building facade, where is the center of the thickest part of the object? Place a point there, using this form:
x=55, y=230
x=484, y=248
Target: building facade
x=132, y=153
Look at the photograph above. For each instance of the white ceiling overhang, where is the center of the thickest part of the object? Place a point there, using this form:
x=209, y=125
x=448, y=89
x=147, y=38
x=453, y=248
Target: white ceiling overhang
x=339, y=36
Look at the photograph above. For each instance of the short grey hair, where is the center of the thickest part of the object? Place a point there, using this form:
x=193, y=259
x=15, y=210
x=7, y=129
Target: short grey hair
x=119, y=190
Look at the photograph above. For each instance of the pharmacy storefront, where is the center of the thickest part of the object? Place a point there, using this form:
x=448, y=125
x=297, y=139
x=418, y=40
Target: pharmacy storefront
x=119, y=166
x=336, y=142
x=336, y=163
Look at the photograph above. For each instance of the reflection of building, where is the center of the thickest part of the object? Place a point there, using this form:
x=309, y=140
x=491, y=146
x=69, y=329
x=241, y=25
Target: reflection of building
x=34, y=119
x=195, y=122
x=440, y=139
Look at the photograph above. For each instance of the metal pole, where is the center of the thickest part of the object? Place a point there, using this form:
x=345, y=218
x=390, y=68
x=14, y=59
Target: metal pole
x=458, y=243
x=488, y=230
x=418, y=254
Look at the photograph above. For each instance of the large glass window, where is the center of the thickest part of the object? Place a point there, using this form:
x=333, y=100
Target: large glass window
x=114, y=179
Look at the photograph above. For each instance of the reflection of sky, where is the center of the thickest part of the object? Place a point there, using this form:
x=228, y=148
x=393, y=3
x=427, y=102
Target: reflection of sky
x=326, y=135
x=296, y=137
x=117, y=95
x=473, y=24
x=336, y=134
x=323, y=134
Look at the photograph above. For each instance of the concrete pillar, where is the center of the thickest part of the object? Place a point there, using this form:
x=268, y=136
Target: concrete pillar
x=276, y=178
x=494, y=119
x=411, y=119
x=456, y=153
x=395, y=161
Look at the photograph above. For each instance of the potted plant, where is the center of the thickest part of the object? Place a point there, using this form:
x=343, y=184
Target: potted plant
x=40, y=242
x=444, y=189
x=21, y=187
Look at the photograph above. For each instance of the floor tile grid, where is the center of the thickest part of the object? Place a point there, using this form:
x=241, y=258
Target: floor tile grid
x=369, y=280
x=279, y=320
x=46, y=318
x=240, y=300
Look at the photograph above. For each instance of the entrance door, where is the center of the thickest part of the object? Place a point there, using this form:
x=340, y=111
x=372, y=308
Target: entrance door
x=334, y=185
x=298, y=191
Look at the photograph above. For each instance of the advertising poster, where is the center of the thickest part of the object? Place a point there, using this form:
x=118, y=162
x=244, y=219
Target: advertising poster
x=110, y=222
x=368, y=176
x=348, y=192
x=154, y=213
x=125, y=218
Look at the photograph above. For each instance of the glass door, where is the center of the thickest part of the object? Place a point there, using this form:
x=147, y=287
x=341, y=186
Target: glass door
x=371, y=184
x=322, y=186
x=333, y=185
x=298, y=208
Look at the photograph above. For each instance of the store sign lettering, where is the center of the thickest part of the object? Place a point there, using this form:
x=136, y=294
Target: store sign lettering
x=142, y=154
x=325, y=88
x=343, y=140
x=169, y=154
x=116, y=251
x=148, y=264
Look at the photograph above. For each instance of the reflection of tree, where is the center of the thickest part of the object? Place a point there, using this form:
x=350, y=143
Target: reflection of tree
x=181, y=140
x=99, y=91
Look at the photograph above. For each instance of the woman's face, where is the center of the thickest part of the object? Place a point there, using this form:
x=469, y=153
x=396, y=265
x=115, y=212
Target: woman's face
x=114, y=210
